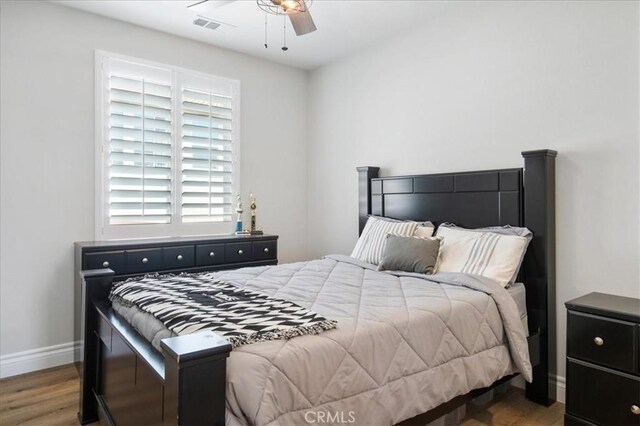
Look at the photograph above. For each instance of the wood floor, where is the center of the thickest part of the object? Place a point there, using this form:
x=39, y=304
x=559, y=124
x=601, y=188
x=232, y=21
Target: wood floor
x=50, y=397
x=513, y=409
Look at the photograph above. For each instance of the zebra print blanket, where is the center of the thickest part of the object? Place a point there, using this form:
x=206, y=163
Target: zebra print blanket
x=189, y=303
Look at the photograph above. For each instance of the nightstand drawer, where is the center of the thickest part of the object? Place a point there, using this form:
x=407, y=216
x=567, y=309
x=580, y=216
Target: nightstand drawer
x=113, y=260
x=610, y=397
x=209, y=254
x=265, y=250
x=238, y=252
x=608, y=342
x=144, y=260
x=178, y=257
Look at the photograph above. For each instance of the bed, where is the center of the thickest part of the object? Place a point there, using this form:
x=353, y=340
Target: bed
x=407, y=348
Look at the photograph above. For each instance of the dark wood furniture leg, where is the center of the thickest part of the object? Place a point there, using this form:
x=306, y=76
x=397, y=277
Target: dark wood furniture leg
x=96, y=285
x=195, y=379
x=539, y=268
x=365, y=174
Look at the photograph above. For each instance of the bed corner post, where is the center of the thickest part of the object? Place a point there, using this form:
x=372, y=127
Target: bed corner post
x=195, y=379
x=540, y=268
x=95, y=287
x=365, y=174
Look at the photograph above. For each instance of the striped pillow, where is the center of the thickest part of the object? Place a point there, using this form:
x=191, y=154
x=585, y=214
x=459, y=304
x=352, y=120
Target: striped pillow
x=492, y=255
x=423, y=230
x=370, y=245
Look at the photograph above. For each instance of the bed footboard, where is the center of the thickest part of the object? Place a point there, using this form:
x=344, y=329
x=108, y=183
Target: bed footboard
x=124, y=380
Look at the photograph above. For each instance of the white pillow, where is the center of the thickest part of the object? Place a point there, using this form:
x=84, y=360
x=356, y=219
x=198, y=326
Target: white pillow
x=370, y=245
x=489, y=254
x=424, y=230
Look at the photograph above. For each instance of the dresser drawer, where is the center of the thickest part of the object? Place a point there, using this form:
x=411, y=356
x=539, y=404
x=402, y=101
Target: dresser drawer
x=209, y=254
x=143, y=260
x=608, y=342
x=109, y=259
x=237, y=252
x=601, y=395
x=265, y=250
x=178, y=257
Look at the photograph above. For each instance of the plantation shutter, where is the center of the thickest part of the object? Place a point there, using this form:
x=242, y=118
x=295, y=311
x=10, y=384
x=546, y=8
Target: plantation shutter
x=207, y=151
x=169, y=150
x=139, y=144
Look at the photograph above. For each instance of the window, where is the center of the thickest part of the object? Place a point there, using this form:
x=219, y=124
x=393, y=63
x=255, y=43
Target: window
x=168, y=146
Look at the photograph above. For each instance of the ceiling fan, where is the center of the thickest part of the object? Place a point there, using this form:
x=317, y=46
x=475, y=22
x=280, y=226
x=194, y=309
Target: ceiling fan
x=296, y=10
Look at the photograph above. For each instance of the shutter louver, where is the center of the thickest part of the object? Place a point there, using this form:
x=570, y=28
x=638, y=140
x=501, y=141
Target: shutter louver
x=206, y=156
x=140, y=150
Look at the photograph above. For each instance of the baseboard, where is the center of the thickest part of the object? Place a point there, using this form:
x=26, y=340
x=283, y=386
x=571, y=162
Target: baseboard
x=557, y=381
x=560, y=384
x=37, y=359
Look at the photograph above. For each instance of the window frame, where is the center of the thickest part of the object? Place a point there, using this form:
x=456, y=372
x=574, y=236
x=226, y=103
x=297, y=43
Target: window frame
x=103, y=229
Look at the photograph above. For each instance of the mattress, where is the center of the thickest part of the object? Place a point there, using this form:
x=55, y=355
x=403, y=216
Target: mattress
x=405, y=343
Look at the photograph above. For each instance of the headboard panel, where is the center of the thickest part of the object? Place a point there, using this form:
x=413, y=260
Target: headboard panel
x=496, y=197
x=518, y=197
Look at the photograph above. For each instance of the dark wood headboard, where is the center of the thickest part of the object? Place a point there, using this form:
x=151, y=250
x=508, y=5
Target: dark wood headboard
x=518, y=197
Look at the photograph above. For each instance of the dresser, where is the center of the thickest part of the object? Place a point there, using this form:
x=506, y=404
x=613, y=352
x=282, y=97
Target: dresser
x=129, y=258
x=603, y=361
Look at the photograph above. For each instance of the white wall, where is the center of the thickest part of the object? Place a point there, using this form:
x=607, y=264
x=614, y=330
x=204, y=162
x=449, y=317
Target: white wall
x=47, y=154
x=471, y=90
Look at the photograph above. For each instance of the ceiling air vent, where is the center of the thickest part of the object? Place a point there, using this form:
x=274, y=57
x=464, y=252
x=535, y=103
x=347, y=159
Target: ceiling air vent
x=206, y=23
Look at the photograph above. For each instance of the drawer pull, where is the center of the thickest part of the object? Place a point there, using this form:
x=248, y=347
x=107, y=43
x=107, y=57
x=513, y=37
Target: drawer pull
x=105, y=264
x=179, y=257
x=635, y=410
x=266, y=250
x=211, y=254
x=598, y=341
x=145, y=260
x=240, y=251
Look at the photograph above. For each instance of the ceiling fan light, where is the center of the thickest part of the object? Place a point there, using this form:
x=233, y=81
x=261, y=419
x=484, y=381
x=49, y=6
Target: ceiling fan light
x=284, y=7
x=289, y=4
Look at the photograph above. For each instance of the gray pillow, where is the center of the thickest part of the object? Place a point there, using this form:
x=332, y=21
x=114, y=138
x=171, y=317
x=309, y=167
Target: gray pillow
x=410, y=254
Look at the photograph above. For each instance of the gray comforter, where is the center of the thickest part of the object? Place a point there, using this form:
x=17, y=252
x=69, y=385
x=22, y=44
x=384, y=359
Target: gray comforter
x=405, y=343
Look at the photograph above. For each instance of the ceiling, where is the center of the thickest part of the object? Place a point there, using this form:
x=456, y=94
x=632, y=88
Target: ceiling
x=343, y=26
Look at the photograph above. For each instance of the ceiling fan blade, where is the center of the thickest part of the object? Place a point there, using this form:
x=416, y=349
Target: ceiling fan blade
x=302, y=22
x=197, y=3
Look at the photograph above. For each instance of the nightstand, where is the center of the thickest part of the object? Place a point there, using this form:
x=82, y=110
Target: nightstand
x=603, y=364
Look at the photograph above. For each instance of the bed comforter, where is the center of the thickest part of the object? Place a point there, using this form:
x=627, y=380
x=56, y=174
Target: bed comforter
x=405, y=343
